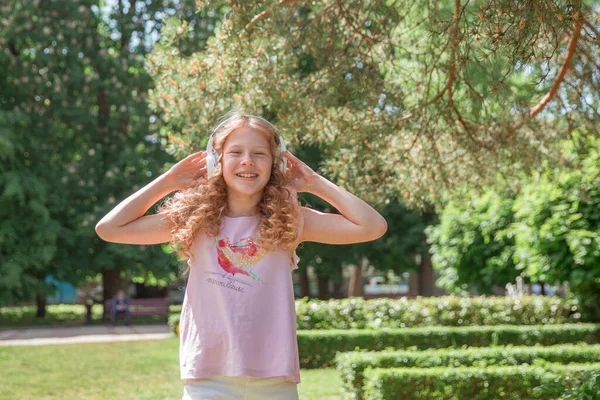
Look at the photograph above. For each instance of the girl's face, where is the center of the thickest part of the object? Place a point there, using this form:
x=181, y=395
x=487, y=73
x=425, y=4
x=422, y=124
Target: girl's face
x=246, y=161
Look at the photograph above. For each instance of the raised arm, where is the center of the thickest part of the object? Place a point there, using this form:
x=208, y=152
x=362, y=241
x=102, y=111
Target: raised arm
x=358, y=222
x=126, y=222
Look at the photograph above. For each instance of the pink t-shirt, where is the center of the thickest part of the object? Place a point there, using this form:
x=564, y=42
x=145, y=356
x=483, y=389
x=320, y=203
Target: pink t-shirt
x=238, y=316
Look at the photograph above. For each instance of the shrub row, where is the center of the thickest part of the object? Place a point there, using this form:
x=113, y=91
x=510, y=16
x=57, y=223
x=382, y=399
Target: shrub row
x=318, y=348
x=474, y=383
x=353, y=364
x=358, y=313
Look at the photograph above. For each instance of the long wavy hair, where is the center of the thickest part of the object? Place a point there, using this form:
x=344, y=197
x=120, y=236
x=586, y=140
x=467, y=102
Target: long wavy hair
x=201, y=208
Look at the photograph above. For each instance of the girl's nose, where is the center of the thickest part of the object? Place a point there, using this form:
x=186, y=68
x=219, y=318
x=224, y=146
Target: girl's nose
x=247, y=159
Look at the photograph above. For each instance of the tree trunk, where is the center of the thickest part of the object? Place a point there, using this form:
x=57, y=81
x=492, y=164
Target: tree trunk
x=542, y=288
x=111, y=281
x=426, y=277
x=338, y=289
x=355, y=284
x=41, y=306
x=88, y=313
x=357, y=281
x=304, y=282
x=323, y=283
x=413, y=283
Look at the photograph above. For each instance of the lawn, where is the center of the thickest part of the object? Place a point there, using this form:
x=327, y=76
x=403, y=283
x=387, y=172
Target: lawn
x=146, y=370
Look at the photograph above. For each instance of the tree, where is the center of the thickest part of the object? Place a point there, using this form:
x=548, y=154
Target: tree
x=32, y=167
x=548, y=231
x=413, y=99
x=472, y=247
x=557, y=237
x=77, y=137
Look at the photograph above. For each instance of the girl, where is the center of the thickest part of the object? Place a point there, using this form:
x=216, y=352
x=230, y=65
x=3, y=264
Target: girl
x=238, y=226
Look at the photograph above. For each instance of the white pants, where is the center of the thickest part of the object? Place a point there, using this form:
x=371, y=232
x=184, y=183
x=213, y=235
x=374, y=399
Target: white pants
x=241, y=388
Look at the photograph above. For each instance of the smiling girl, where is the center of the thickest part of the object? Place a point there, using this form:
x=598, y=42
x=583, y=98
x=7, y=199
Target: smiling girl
x=238, y=223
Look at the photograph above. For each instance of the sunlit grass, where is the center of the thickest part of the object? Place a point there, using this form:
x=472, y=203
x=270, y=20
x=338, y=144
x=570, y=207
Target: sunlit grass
x=119, y=370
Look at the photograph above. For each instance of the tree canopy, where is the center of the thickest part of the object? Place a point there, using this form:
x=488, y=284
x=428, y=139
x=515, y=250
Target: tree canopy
x=75, y=138
x=547, y=231
x=411, y=98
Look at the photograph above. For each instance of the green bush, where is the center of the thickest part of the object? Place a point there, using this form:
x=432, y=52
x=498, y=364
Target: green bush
x=318, y=348
x=174, y=322
x=586, y=387
x=358, y=313
x=353, y=364
x=473, y=383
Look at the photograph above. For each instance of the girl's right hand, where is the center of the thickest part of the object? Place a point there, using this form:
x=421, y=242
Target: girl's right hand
x=189, y=172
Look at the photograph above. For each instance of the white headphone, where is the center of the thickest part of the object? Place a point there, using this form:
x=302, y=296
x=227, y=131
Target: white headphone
x=212, y=156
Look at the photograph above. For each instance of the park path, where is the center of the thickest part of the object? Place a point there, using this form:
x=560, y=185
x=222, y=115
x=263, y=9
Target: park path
x=82, y=334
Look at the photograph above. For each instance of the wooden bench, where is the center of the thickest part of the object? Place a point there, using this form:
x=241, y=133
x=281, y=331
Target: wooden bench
x=142, y=307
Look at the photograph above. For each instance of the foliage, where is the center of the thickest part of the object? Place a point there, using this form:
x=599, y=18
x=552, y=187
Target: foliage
x=489, y=383
x=356, y=313
x=353, y=364
x=75, y=137
x=412, y=99
x=549, y=230
x=471, y=247
x=585, y=387
x=557, y=237
x=318, y=348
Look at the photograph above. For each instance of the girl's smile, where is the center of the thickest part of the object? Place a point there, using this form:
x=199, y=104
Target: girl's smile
x=247, y=175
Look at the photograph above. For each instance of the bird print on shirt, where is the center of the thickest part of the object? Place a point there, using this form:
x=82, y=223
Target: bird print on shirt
x=240, y=256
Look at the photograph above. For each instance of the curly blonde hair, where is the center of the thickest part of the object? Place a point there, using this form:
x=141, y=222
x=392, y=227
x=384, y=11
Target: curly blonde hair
x=201, y=208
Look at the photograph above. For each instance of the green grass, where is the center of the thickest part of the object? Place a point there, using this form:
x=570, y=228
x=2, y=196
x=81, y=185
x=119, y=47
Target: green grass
x=120, y=370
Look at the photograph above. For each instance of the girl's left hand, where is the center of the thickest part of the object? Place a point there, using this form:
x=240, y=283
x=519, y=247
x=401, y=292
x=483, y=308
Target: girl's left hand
x=301, y=175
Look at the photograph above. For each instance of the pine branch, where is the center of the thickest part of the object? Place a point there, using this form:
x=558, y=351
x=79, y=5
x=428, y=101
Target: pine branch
x=259, y=17
x=348, y=22
x=559, y=79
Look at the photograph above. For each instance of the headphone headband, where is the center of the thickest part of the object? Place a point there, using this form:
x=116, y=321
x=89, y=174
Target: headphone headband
x=212, y=157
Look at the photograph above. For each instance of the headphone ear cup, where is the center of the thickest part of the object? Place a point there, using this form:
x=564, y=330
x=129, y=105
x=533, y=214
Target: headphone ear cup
x=211, y=158
x=211, y=164
x=283, y=165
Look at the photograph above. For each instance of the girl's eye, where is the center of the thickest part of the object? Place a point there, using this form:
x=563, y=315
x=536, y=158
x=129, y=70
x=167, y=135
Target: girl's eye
x=260, y=154
x=236, y=152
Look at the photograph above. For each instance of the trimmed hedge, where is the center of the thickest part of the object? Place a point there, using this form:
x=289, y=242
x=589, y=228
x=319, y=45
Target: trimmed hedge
x=358, y=313
x=318, y=348
x=473, y=383
x=353, y=364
